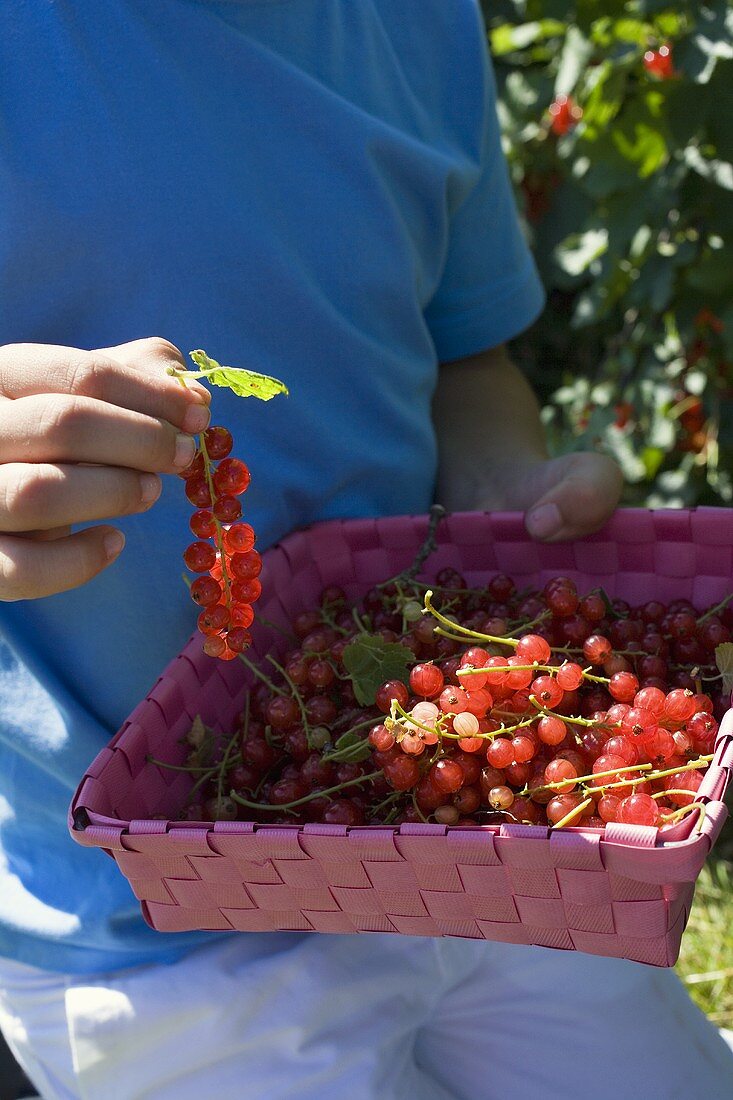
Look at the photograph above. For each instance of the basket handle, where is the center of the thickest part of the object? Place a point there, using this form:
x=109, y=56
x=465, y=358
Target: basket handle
x=718, y=775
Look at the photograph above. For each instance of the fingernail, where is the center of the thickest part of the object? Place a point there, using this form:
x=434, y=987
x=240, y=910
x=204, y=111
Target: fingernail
x=185, y=451
x=150, y=487
x=544, y=521
x=113, y=543
x=196, y=418
x=199, y=393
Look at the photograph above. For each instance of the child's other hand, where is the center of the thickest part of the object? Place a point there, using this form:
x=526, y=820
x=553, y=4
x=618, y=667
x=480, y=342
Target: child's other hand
x=493, y=456
x=83, y=437
x=566, y=497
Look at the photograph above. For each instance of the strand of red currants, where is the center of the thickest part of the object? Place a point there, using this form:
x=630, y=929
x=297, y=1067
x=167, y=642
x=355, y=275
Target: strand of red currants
x=224, y=552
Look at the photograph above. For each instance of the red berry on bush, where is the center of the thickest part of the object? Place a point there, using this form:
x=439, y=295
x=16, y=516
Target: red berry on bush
x=564, y=114
x=659, y=62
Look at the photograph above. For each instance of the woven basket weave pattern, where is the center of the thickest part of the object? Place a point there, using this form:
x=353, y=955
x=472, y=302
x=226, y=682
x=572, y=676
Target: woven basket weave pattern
x=619, y=893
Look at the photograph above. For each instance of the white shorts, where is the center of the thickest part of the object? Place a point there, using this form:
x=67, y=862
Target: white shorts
x=366, y=1017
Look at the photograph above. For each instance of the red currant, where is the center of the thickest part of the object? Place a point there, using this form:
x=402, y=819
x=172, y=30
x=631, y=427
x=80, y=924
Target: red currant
x=218, y=442
x=231, y=477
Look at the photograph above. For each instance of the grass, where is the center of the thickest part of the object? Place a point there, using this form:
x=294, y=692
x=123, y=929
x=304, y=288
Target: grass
x=706, y=960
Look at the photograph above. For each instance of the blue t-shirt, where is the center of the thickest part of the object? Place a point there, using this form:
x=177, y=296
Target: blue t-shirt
x=310, y=188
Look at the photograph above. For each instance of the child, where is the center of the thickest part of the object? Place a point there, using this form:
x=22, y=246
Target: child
x=315, y=189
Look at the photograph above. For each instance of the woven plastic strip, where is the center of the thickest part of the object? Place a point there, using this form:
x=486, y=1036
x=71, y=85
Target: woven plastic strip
x=622, y=892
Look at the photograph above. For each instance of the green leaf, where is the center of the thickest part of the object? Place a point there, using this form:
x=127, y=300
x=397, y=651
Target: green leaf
x=724, y=661
x=605, y=86
x=652, y=457
x=644, y=146
x=370, y=661
x=506, y=39
x=631, y=30
x=576, y=53
x=242, y=382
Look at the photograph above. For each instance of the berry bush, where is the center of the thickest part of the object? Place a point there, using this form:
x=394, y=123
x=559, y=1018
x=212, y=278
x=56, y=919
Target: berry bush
x=618, y=126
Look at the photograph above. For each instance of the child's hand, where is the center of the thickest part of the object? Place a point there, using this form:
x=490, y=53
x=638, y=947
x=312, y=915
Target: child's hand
x=83, y=437
x=493, y=456
x=567, y=497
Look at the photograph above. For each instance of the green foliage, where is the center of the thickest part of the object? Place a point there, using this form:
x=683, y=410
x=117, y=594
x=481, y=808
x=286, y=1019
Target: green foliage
x=371, y=662
x=629, y=207
x=706, y=960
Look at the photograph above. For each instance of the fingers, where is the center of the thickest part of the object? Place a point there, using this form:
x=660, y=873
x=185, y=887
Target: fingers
x=31, y=569
x=83, y=435
x=581, y=499
x=153, y=356
x=46, y=536
x=64, y=428
x=131, y=376
x=40, y=497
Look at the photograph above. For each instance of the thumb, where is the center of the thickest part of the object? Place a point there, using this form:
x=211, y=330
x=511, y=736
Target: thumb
x=586, y=489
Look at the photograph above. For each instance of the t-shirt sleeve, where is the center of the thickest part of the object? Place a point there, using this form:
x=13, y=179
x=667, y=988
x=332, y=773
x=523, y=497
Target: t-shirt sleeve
x=490, y=290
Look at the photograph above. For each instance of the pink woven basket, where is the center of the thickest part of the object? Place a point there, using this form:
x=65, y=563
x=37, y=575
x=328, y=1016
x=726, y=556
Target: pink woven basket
x=622, y=892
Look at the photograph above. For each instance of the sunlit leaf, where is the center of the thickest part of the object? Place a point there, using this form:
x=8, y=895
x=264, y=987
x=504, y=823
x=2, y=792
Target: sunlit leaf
x=242, y=382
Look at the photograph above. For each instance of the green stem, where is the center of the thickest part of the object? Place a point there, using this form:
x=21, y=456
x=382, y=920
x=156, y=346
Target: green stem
x=541, y=618
x=306, y=798
x=544, y=712
x=192, y=769
x=678, y=815
x=350, y=754
x=360, y=624
x=714, y=610
x=298, y=697
x=352, y=729
x=559, y=784
x=702, y=762
x=273, y=626
x=219, y=537
x=182, y=373
x=429, y=546
x=224, y=761
x=199, y=783
x=261, y=675
x=576, y=812
x=492, y=734
x=390, y=800
x=552, y=670
x=474, y=635
x=420, y=725
x=418, y=811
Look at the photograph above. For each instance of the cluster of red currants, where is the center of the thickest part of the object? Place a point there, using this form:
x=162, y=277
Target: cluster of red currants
x=565, y=113
x=541, y=707
x=545, y=763
x=224, y=552
x=659, y=62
